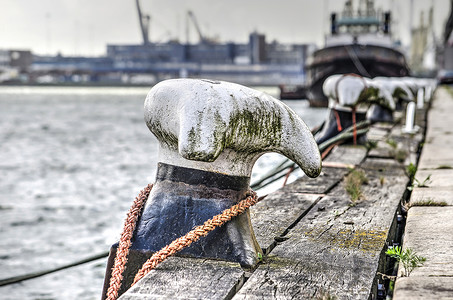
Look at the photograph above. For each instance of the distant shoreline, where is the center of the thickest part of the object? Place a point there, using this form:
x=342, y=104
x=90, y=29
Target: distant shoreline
x=106, y=84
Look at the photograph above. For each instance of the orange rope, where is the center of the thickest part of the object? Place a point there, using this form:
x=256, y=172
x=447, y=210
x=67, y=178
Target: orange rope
x=125, y=243
x=327, y=151
x=287, y=175
x=169, y=250
x=337, y=117
x=195, y=234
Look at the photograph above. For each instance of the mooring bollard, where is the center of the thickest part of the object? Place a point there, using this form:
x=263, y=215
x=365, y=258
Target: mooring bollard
x=412, y=85
x=383, y=103
x=345, y=92
x=210, y=134
x=420, y=98
x=428, y=92
x=377, y=113
x=410, y=119
x=430, y=87
x=398, y=88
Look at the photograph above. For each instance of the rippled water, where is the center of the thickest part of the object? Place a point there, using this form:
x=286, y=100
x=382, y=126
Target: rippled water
x=72, y=161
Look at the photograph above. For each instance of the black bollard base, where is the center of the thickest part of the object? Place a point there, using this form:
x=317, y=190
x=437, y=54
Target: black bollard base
x=377, y=113
x=331, y=128
x=181, y=199
x=400, y=104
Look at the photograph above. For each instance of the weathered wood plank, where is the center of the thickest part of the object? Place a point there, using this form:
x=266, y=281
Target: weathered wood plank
x=316, y=258
x=386, y=125
x=336, y=248
x=188, y=278
x=347, y=154
x=436, y=155
x=438, y=189
x=328, y=178
x=422, y=288
x=429, y=229
x=385, y=169
x=378, y=133
x=383, y=150
x=408, y=142
x=272, y=217
x=380, y=136
x=429, y=232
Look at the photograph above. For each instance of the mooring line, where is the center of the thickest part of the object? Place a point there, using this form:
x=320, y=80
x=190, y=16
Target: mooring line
x=19, y=278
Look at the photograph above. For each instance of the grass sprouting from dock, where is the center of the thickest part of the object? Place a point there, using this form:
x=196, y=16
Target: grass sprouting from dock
x=407, y=258
x=353, y=185
x=428, y=202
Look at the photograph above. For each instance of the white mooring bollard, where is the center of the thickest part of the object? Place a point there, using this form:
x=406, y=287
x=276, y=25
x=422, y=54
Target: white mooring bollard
x=420, y=98
x=410, y=119
x=210, y=134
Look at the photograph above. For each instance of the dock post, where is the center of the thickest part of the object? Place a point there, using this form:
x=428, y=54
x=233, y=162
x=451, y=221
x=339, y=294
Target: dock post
x=210, y=134
x=410, y=119
x=420, y=98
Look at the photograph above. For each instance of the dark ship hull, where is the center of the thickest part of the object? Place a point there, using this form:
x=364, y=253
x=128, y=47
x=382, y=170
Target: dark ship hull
x=365, y=60
x=293, y=92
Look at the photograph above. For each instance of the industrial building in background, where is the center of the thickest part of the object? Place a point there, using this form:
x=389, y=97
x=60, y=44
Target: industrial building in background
x=257, y=62
x=254, y=63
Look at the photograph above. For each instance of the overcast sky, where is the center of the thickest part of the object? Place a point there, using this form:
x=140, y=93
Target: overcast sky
x=84, y=27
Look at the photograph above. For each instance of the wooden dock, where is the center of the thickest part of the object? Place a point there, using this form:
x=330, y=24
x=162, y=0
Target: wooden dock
x=317, y=242
x=429, y=228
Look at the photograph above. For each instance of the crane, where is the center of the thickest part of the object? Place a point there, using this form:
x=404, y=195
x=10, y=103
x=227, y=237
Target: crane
x=144, y=23
x=191, y=16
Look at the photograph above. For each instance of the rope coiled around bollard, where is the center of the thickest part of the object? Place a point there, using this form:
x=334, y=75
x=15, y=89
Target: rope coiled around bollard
x=125, y=243
x=174, y=247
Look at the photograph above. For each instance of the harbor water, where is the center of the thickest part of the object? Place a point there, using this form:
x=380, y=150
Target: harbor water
x=72, y=161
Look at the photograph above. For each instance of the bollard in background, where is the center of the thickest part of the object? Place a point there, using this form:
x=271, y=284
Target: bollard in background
x=382, y=102
x=428, y=93
x=410, y=119
x=377, y=113
x=420, y=98
x=345, y=92
x=397, y=87
x=352, y=96
x=210, y=134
